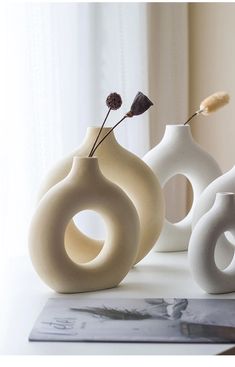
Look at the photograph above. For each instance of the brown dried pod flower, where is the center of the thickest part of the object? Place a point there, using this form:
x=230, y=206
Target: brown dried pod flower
x=140, y=104
x=114, y=101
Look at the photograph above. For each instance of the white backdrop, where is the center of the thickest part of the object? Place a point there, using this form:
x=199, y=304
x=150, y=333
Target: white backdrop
x=59, y=62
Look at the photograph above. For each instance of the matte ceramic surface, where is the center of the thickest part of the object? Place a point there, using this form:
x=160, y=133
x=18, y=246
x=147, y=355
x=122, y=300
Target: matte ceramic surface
x=85, y=187
x=226, y=182
x=178, y=153
x=132, y=175
x=201, y=252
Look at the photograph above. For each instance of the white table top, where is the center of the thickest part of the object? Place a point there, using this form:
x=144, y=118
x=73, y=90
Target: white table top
x=23, y=296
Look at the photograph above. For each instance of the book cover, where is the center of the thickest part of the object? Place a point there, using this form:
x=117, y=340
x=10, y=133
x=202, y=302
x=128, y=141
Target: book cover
x=177, y=320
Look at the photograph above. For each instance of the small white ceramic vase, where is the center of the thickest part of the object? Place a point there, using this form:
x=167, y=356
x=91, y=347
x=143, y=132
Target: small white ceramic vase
x=224, y=183
x=201, y=251
x=85, y=187
x=130, y=173
x=178, y=153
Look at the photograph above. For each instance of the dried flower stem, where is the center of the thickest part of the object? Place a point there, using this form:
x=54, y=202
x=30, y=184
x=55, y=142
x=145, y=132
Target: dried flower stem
x=109, y=132
x=191, y=117
x=91, y=152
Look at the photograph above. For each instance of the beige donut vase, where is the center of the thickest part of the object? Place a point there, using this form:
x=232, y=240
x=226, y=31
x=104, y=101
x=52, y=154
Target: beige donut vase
x=85, y=187
x=130, y=173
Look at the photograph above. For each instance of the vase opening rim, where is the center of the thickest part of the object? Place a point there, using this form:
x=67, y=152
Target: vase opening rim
x=98, y=127
x=226, y=193
x=177, y=125
x=76, y=157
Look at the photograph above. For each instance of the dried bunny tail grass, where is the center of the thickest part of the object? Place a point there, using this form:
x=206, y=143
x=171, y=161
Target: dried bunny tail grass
x=211, y=104
x=214, y=102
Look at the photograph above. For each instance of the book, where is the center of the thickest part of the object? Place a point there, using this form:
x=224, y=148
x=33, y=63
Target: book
x=166, y=320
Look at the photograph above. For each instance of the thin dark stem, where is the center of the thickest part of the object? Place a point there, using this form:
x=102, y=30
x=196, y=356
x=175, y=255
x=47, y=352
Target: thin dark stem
x=93, y=146
x=108, y=133
x=191, y=117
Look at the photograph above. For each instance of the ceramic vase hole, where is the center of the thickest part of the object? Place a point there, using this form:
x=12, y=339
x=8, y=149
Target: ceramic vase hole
x=230, y=237
x=178, y=194
x=91, y=224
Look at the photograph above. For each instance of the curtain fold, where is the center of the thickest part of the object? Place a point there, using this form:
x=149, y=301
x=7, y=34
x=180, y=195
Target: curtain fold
x=168, y=85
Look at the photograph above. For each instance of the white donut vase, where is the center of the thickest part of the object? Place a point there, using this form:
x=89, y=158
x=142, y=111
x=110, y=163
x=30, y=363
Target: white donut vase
x=134, y=177
x=178, y=153
x=201, y=251
x=85, y=187
x=224, y=183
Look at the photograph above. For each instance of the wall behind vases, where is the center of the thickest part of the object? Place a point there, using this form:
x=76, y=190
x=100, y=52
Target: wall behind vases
x=212, y=68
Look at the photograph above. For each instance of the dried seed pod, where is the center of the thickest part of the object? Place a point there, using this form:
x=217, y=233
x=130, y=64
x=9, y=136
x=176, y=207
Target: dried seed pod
x=214, y=102
x=114, y=101
x=140, y=104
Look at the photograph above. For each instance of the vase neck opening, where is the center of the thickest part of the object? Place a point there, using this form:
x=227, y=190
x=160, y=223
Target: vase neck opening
x=225, y=200
x=84, y=166
x=178, y=132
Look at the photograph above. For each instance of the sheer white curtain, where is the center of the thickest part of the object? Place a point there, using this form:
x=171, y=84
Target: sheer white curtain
x=62, y=60
x=59, y=62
